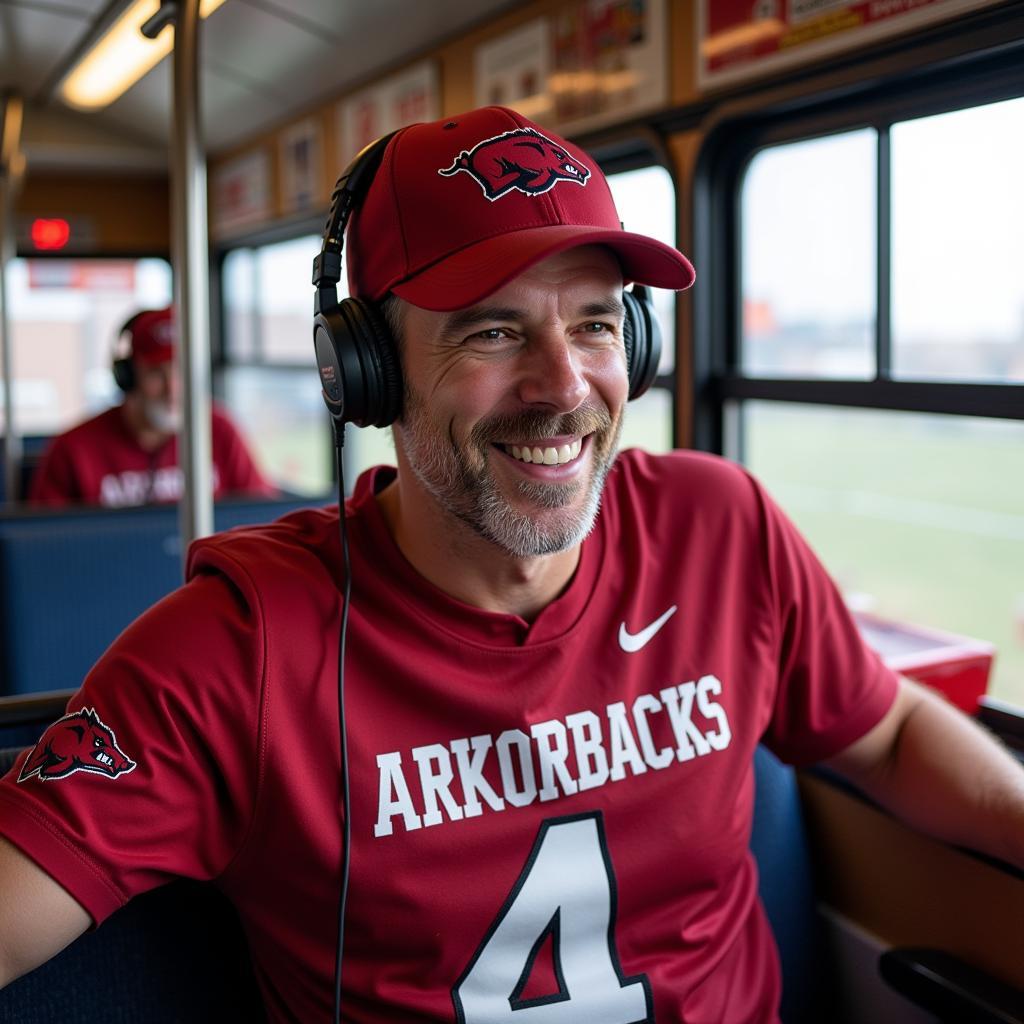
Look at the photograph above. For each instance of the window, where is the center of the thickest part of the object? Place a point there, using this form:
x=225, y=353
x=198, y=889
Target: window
x=646, y=202
x=65, y=317
x=877, y=360
x=957, y=249
x=270, y=381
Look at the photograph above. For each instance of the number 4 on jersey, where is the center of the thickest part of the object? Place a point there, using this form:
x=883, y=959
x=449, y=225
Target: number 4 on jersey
x=565, y=894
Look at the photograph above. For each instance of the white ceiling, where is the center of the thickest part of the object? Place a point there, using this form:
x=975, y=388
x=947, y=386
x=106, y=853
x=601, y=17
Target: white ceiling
x=262, y=60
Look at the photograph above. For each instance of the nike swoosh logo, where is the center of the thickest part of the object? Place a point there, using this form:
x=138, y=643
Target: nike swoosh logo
x=632, y=642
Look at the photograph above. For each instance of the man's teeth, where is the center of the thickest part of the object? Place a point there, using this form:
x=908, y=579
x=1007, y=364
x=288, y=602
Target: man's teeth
x=548, y=456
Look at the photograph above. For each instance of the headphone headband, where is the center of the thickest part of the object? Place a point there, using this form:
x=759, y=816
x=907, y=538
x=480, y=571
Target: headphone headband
x=352, y=185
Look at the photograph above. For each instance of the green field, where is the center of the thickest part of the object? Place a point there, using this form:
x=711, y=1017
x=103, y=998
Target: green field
x=920, y=517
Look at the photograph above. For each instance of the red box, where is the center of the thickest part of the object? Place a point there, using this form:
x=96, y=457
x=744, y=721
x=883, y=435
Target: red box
x=958, y=667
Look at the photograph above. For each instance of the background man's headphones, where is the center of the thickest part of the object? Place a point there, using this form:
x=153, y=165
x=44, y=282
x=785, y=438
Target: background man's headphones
x=124, y=365
x=356, y=354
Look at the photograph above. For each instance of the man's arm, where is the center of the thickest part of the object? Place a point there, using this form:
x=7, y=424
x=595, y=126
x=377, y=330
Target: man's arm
x=38, y=917
x=939, y=771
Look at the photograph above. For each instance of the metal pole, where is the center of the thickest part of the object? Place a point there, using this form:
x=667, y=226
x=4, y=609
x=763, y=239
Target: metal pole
x=11, y=164
x=191, y=277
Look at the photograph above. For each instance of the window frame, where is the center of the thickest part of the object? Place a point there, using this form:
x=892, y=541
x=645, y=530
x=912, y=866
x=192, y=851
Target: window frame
x=740, y=131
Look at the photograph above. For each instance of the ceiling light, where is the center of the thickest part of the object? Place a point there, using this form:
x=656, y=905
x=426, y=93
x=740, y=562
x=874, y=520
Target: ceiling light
x=121, y=56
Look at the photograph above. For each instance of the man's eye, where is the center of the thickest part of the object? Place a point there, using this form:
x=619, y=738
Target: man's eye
x=491, y=334
x=598, y=327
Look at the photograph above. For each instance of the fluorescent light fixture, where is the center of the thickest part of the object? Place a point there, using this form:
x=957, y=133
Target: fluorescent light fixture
x=121, y=56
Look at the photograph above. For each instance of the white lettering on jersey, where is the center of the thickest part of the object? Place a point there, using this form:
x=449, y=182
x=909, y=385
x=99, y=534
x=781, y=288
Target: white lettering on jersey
x=514, y=794
x=580, y=753
x=139, y=486
x=624, y=749
x=710, y=709
x=586, y=738
x=646, y=703
x=435, y=783
x=552, y=759
x=471, y=775
x=682, y=723
x=392, y=781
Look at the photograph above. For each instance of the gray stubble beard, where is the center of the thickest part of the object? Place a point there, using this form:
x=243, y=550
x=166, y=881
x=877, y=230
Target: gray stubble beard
x=471, y=495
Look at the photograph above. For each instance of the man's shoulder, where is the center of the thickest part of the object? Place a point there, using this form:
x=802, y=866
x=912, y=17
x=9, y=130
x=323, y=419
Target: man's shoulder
x=103, y=423
x=300, y=544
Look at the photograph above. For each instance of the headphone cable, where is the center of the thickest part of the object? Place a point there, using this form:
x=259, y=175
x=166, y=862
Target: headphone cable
x=339, y=443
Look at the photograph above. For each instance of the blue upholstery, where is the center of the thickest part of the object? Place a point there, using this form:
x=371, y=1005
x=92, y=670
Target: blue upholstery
x=71, y=581
x=23, y=718
x=779, y=844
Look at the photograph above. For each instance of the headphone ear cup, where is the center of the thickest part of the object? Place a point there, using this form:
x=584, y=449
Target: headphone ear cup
x=358, y=362
x=377, y=341
x=641, y=335
x=124, y=373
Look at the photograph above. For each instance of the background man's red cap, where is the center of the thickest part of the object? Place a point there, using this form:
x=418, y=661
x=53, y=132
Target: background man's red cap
x=153, y=336
x=461, y=206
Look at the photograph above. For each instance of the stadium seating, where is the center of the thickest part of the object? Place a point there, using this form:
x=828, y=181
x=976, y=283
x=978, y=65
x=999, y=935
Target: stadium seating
x=70, y=581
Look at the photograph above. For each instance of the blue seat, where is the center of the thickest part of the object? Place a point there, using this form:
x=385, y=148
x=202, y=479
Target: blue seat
x=787, y=888
x=71, y=581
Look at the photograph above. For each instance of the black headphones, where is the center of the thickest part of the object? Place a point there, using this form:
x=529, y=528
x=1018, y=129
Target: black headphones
x=356, y=354
x=124, y=366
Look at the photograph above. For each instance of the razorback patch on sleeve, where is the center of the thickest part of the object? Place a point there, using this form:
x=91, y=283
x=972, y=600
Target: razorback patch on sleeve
x=79, y=742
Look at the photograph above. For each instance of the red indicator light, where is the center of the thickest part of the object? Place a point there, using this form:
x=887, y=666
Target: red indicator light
x=50, y=234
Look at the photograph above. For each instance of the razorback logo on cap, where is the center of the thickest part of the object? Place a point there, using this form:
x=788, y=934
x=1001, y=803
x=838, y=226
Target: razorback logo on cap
x=522, y=159
x=78, y=742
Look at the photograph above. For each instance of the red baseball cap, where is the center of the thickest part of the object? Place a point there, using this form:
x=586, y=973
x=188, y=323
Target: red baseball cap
x=461, y=206
x=153, y=336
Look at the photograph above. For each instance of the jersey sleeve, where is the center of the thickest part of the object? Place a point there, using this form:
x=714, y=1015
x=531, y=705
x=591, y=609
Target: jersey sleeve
x=152, y=774
x=54, y=482
x=832, y=688
x=236, y=467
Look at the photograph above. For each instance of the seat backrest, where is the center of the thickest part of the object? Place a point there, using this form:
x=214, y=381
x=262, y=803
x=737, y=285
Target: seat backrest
x=786, y=880
x=176, y=955
x=71, y=582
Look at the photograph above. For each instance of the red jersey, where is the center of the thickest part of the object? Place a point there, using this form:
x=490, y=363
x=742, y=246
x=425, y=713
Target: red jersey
x=99, y=462
x=550, y=819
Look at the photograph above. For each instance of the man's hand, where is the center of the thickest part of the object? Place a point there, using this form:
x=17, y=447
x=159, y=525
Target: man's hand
x=38, y=917
x=942, y=773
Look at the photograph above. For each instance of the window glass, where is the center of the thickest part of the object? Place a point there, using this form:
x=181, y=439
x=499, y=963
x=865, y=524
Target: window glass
x=648, y=422
x=270, y=381
x=919, y=518
x=65, y=315
x=284, y=419
x=646, y=202
x=957, y=256
x=808, y=259
x=268, y=302
x=241, y=319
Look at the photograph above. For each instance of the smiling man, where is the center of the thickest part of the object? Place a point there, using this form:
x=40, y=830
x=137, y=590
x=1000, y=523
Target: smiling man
x=560, y=661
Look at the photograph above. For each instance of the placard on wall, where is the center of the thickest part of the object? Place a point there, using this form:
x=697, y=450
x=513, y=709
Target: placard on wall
x=240, y=194
x=591, y=63
x=301, y=157
x=404, y=98
x=740, y=39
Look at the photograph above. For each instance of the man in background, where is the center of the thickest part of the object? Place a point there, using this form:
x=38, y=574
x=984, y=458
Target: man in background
x=128, y=455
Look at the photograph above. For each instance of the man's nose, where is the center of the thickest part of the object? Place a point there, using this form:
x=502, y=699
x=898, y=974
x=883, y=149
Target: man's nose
x=552, y=374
